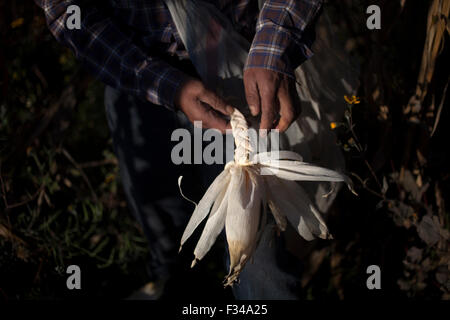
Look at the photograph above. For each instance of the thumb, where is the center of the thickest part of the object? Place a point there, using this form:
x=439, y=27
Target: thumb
x=215, y=102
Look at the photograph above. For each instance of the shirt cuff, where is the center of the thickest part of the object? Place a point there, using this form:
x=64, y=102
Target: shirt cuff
x=160, y=86
x=275, y=48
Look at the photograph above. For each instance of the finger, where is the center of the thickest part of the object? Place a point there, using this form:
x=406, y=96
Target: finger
x=216, y=102
x=252, y=95
x=269, y=108
x=211, y=119
x=287, y=110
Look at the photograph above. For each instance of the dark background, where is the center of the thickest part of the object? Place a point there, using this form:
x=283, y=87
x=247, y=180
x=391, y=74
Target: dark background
x=62, y=203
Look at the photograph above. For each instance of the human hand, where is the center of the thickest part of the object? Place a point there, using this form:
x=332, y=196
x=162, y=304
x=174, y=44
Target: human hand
x=200, y=104
x=274, y=95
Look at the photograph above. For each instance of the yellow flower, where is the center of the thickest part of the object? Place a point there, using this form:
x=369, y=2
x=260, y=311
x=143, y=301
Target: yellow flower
x=352, y=100
x=109, y=178
x=351, y=141
x=347, y=100
x=17, y=23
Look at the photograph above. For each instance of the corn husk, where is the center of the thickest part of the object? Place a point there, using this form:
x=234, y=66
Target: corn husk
x=238, y=197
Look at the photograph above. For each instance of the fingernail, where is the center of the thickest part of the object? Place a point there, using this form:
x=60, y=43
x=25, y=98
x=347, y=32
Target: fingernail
x=262, y=133
x=230, y=109
x=252, y=110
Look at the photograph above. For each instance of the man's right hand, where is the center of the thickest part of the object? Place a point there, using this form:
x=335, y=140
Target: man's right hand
x=200, y=104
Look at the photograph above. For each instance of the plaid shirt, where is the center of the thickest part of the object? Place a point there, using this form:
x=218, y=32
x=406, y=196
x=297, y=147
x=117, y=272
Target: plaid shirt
x=127, y=43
